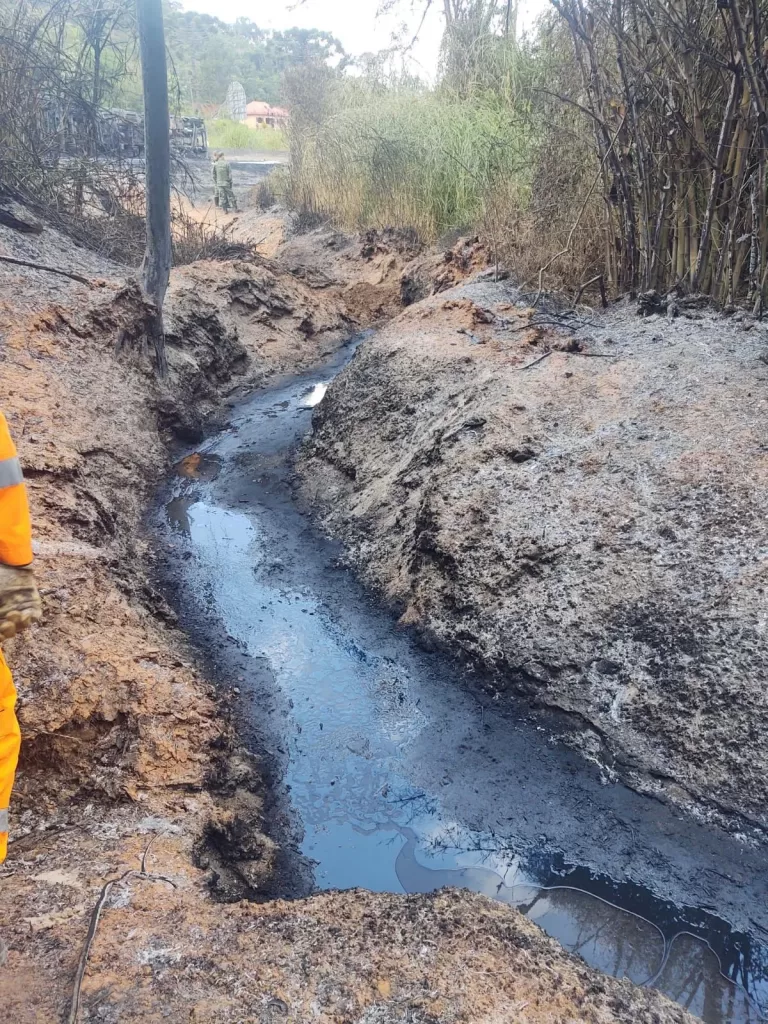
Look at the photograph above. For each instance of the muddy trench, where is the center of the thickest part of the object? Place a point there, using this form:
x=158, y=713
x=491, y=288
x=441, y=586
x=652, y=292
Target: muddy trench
x=393, y=774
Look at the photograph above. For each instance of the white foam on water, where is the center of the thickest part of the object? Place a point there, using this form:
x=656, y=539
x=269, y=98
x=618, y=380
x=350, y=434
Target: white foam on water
x=317, y=394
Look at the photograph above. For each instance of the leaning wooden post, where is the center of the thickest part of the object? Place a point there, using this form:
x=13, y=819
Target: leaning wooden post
x=157, y=152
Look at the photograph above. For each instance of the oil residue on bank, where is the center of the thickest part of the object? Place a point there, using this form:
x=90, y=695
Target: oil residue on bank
x=401, y=781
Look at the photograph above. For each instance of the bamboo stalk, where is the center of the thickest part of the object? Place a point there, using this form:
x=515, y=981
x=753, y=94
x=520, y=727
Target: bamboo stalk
x=685, y=194
x=702, y=255
x=758, y=99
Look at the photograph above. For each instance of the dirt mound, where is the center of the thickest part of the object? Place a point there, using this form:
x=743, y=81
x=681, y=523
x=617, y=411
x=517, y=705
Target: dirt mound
x=346, y=958
x=363, y=271
x=123, y=740
x=374, y=273
x=588, y=524
x=434, y=272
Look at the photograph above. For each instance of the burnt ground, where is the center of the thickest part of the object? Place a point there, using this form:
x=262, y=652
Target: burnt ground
x=129, y=763
x=195, y=179
x=582, y=513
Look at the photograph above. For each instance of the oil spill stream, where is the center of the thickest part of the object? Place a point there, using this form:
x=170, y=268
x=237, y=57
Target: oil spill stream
x=401, y=781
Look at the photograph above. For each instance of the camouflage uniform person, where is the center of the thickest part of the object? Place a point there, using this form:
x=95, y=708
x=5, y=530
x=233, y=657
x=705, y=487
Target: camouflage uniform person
x=223, y=194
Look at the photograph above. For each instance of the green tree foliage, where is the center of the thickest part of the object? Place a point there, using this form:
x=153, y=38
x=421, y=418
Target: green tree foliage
x=207, y=54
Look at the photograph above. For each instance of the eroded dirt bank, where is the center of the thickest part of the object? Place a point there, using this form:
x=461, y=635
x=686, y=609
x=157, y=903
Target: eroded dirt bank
x=588, y=525
x=128, y=763
x=123, y=741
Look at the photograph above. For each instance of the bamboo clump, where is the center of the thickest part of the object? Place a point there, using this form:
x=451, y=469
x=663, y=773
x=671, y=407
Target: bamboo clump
x=677, y=93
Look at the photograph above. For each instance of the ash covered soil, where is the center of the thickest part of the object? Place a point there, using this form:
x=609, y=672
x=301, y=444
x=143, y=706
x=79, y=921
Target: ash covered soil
x=580, y=512
x=132, y=772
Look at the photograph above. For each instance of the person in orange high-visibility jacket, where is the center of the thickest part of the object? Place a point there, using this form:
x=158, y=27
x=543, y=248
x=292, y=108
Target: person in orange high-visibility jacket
x=19, y=607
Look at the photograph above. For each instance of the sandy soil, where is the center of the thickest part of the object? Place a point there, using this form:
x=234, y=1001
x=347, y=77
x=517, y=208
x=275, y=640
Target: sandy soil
x=353, y=957
x=131, y=772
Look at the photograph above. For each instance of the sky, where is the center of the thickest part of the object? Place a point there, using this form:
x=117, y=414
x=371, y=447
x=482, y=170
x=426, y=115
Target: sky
x=353, y=22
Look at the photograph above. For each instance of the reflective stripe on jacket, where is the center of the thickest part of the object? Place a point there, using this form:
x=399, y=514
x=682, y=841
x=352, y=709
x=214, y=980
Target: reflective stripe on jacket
x=15, y=528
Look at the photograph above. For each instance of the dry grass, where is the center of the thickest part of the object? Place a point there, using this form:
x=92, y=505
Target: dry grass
x=195, y=240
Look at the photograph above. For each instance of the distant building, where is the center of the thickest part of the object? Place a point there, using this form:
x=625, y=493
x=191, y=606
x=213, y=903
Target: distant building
x=261, y=115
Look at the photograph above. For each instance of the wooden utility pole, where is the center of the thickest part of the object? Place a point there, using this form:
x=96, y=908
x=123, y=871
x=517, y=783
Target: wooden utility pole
x=157, y=151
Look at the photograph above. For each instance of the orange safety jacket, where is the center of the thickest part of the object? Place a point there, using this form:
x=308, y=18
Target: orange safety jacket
x=15, y=528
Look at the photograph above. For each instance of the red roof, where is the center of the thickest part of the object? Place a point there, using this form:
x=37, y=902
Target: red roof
x=258, y=108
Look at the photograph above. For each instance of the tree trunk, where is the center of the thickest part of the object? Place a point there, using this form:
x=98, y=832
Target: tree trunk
x=510, y=20
x=96, y=90
x=157, y=258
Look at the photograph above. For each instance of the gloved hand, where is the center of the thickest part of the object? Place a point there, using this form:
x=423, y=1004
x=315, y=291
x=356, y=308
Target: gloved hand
x=20, y=603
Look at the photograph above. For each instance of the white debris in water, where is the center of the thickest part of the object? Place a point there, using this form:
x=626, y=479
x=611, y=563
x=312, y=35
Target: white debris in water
x=317, y=394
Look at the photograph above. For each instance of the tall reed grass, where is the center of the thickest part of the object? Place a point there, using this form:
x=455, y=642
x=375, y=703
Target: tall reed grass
x=489, y=150
x=363, y=155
